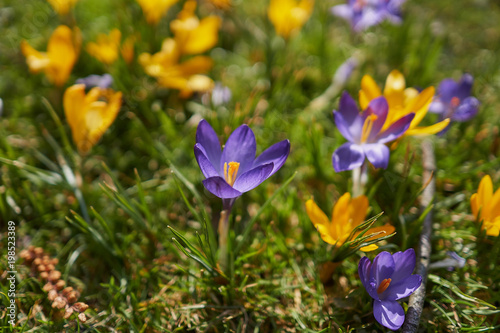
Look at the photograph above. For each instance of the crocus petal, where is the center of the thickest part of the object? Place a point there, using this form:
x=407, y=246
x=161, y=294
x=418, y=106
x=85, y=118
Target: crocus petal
x=396, y=130
x=357, y=209
x=206, y=136
x=402, y=289
x=437, y=106
x=347, y=118
x=447, y=90
x=364, y=271
x=220, y=188
x=320, y=222
x=240, y=147
x=252, y=178
x=464, y=86
x=433, y=129
x=466, y=110
x=205, y=164
x=389, y=314
x=485, y=191
x=347, y=157
x=394, y=88
x=343, y=11
x=369, y=248
x=405, y=264
x=383, y=267
x=474, y=204
x=369, y=90
x=495, y=205
x=380, y=108
x=377, y=154
x=276, y=154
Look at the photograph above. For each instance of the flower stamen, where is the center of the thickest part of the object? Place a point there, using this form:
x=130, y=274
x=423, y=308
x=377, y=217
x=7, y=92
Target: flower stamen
x=367, y=127
x=455, y=101
x=383, y=285
x=230, y=175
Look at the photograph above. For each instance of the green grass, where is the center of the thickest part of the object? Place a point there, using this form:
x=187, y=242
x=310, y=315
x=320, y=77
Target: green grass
x=122, y=257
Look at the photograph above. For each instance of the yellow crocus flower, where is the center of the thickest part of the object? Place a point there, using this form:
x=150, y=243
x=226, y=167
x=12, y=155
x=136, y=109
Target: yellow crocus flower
x=62, y=7
x=127, y=49
x=288, y=16
x=486, y=206
x=185, y=76
x=90, y=115
x=402, y=101
x=155, y=9
x=62, y=52
x=106, y=48
x=347, y=214
x=193, y=35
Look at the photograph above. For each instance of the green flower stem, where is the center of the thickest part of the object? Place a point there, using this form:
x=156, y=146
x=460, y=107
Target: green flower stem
x=359, y=180
x=223, y=239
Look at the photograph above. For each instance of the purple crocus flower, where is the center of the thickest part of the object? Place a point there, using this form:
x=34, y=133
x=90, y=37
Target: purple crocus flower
x=101, y=81
x=364, y=133
x=388, y=279
x=235, y=170
x=454, y=100
x=363, y=14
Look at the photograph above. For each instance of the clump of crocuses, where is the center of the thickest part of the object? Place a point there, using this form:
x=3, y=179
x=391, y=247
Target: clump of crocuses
x=388, y=279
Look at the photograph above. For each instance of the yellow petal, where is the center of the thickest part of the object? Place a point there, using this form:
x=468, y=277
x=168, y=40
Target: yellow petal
x=73, y=102
x=358, y=208
x=394, y=89
x=288, y=16
x=369, y=248
x=492, y=227
x=433, y=129
x=341, y=219
x=105, y=49
x=484, y=195
x=155, y=9
x=320, y=221
x=62, y=7
x=62, y=54
x=36, y=61
x=127, y=49
x=495, y=205
x=475, y=206
x=204, y=37
x=419, y=106
x=369, y=90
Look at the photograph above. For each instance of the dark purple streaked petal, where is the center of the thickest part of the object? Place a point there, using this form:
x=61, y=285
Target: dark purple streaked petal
x=379, y=107
x=240, y=147
x=253, y=178
x=389, y=314
x=276, y=154
x=466, y=110
x=377, y=154
x=383, y=267
x=402, y=289
x=364, y=269
x=447, y=90
x=347, y=157
x=464, y=86
x=205, y=165
x=396, y=129
x=206, y=136
x=220, y=188
x=405, y=264
x=348, y=119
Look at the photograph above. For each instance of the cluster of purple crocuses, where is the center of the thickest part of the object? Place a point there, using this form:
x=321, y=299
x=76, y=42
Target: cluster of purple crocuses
x=234, y=170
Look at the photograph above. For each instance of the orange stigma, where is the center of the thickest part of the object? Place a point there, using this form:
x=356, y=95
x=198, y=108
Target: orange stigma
x=230, y=175
x=455, y=101
x=383, y=285
x=367, y=127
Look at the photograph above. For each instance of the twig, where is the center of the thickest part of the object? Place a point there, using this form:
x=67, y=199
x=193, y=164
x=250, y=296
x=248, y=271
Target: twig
x=416, y=302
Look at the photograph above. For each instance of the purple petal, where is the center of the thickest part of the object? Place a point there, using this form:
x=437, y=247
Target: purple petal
x=252, y=178
x=343, y=11
x=240, y=147
x=220, y=188
x=347, y=157
x=389, y=314
x=369, y=18
x=101, y=81
x=466, y=110
x=348, y=119
x=383, y=267
x=206, y=136
x=437, y=106
x=364, y=269
x=405, y=264
x=396, y=129
x=464, y=86
x=447, y=90
x=276, y=154
x=402, y=289
x=378, y=107
x=206, y=166
x=377, y=154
